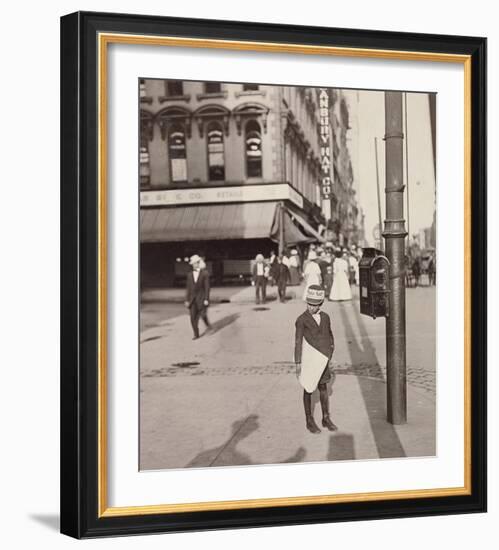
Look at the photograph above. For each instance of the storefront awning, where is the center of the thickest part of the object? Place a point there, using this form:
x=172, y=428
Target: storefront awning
x=207, y=222
x=307, y=228
x=292, y=234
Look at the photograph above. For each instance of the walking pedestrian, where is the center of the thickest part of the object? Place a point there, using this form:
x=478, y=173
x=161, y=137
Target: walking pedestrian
x=416, y=270
x=197, y=294
x=311, y=255
x=259, y=280
x=328, y=281
x=341, y=287
x=282, y=271
x=324, y=262
x=312, y=273
x=314, y=347
x=294, y=268
x=272, y=270
x=354, y=267
x=432, y=271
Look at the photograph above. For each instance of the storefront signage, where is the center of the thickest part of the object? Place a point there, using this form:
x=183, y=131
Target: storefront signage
x=325, y=144
x=243, y=193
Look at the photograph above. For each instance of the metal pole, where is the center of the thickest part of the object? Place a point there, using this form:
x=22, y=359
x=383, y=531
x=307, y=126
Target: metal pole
x=283, y=122
x=281, y=228
x=407, y=169
x=432, y=104
x=395, y=234
x=379, y=194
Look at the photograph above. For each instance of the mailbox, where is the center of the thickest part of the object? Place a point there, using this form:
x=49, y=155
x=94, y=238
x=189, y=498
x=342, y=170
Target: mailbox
x=374, y=283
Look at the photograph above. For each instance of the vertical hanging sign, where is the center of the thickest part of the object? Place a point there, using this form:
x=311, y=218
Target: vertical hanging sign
x=325, y=144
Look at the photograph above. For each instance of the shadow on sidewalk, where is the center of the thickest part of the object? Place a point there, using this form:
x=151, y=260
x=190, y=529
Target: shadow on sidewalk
x=231, y=456
x=227, y=453
x=341, y=447
x=299, y=456
x=373, y=392
x=223, y=322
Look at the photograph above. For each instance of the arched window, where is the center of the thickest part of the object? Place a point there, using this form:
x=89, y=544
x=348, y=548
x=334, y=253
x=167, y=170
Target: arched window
x=253, y=143
x=216, y=159
x=177, y=153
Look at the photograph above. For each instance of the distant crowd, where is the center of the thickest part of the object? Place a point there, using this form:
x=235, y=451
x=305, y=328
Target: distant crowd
x=421, y=268
x=332, y=268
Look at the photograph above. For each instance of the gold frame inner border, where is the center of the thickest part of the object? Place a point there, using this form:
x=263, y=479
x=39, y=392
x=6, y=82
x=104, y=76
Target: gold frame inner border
x=104, y=39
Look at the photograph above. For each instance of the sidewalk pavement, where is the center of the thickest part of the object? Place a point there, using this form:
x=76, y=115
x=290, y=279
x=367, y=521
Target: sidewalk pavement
x=218, y=295
x=232, y=398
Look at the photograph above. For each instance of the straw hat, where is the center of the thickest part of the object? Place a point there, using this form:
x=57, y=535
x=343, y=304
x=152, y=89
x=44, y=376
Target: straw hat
x=195, y=258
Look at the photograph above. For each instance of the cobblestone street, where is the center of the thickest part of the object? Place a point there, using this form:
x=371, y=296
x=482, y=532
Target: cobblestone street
x=417, y=377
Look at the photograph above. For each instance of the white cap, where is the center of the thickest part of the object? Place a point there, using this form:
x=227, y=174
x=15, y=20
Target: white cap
x=315, y=295
x=195, y=258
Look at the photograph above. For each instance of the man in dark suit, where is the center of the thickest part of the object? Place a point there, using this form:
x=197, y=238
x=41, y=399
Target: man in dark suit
x=197, y=294
x=282, y=277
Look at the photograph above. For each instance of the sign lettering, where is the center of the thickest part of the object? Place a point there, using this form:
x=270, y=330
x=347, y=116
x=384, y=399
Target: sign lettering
x=245, y=193
x=325, y=145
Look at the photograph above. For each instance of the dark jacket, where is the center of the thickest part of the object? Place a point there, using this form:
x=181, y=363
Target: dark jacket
x=199, y=291
x=318, y=336
x=324, y=265
x=281, y=273
x=416, y=267
x=328, y=280
x=273, y=267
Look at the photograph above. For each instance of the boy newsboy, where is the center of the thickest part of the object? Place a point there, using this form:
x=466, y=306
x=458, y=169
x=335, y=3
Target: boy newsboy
x=314, y=346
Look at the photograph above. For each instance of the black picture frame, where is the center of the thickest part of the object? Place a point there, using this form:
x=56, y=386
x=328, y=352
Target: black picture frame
x=81, y=516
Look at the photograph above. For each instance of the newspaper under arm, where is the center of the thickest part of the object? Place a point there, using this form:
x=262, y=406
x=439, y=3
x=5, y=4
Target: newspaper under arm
x=313, y=363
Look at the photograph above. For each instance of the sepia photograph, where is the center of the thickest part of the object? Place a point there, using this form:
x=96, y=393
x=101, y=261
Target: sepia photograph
x=288, y=274
x=273, y=274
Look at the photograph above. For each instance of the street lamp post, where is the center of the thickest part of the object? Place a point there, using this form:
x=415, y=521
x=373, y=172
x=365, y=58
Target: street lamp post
x=378, y=193
x=394, y=234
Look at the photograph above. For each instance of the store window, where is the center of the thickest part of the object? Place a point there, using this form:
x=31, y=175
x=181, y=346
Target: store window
x=253, y=140
x=250, y=87
x=144, y=170
x=146, y=134
x=212, y=87
x=174, y=88
x=177, y=153
x=216, y=159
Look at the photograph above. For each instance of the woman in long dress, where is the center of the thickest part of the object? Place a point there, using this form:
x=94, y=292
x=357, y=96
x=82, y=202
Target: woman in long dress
x=341, y=287
x=312, y=273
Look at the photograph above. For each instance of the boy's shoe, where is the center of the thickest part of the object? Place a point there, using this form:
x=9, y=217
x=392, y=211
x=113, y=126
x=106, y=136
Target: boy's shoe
x=328, y=423
x=312, y=426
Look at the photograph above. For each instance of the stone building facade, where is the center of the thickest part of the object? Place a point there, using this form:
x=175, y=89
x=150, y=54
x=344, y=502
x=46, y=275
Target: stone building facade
x=226, y=170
